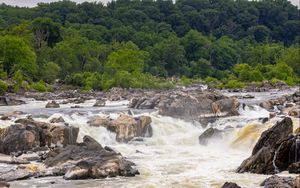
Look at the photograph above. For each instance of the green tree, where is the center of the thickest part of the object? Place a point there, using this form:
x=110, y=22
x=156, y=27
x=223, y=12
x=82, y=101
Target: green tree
x=16, y=54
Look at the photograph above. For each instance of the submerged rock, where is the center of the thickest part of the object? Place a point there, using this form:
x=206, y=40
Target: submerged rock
x=208, y=134
x=52, y=104
x=281, y=182
x=89, y=160
x=275, y=150
x=230, y=185
x=99, y=103
x=126, y=127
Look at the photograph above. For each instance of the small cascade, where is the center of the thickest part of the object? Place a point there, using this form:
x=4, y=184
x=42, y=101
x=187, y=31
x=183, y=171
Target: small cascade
x=294, y=153
x=71, y=136
x=297, y=150
x=276, y=170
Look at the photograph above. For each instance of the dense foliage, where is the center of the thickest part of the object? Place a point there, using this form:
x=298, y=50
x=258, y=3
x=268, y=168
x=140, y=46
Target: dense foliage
x=141, y=43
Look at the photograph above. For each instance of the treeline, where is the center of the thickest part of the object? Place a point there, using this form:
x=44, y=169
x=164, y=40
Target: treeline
x=142, y=43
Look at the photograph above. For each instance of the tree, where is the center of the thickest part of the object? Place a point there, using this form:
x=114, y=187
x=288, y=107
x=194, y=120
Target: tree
x=50, y=72
x=46, y=30
x=16, y=54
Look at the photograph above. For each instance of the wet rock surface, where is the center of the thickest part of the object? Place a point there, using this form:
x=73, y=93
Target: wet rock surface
x=126, y=127
x=52, y=104
x=89, y=160
x=281, y=182
x=10, y=101
x=191, y=105
x=275, y=150
x=27, y=134
x=209, y=134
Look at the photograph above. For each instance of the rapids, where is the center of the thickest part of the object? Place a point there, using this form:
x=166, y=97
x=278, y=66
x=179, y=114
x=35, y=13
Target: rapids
x=173, y=157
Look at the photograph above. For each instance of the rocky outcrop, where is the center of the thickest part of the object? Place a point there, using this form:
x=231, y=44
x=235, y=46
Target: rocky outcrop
x=230, y=185
x=266, y=86
x=190, y=105
x=52, y=104
x=126, y=127
x=89, y=160
x=209, y=134
x=28, y=134
x=10, y=101
x=281, y=182
x=275, y=150
x=288, y=104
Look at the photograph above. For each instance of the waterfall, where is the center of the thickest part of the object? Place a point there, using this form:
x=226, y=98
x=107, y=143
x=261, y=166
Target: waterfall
x=276, y=170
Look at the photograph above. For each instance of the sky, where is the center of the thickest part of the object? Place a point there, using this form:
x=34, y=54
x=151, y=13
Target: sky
x=31, y=3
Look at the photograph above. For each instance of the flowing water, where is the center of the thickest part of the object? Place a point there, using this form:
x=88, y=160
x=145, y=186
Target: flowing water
x=173, y=157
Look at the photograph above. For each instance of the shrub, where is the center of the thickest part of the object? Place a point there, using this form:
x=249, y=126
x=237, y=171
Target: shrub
x=3, y=87
x=39, y=86
x=233, y=84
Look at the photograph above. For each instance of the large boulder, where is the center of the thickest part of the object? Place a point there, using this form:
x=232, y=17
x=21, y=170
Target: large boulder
x=89, y=160
x=27, y=134
x=272, y=151
x=19, y=137
x=198, y=106
x=10, y=101
x=126, y=127
x=281, y=182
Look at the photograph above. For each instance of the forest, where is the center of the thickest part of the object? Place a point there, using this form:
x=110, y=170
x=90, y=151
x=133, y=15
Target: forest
x=149, y=44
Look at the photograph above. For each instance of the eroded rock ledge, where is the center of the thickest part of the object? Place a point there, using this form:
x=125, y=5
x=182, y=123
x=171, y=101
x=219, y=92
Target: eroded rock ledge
x=275, y=151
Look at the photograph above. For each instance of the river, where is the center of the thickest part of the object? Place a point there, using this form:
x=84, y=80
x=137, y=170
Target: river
x=172, y=157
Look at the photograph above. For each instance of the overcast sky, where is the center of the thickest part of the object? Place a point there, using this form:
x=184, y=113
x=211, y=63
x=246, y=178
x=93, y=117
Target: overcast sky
x=31, y=3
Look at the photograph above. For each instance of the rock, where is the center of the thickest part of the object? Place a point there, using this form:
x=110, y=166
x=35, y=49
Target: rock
x=28, y=134
x=295, y=111
x=271, y=115
x=19, y=138
x=57, y=120
x=52, y=104
x=271, y=146
x=13, y=172
x=89, y=160
x=208, y=134
x=248, y=96
x=4, y=184
x=99, y=103
x=267, y=105
x=76, y=106
x=198, y=107
x=230, y=185
x=280, y=182
x=126, y=127
x=294, y=168
x=9, y=101
x=100, y=121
